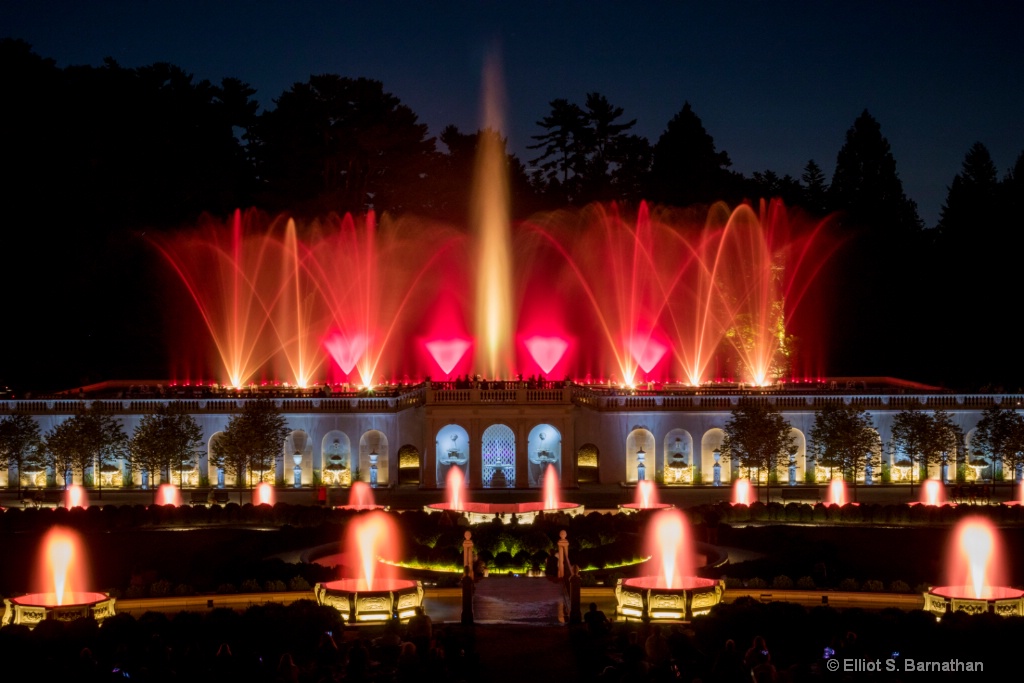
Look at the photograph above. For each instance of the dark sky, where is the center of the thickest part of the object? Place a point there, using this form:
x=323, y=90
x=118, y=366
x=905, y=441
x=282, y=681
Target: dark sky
x=776, y=83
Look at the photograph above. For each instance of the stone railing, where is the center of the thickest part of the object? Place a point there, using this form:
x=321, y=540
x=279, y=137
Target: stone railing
x=137, y=406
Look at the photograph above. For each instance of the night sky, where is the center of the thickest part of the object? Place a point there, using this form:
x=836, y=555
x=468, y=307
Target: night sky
x=776, y=84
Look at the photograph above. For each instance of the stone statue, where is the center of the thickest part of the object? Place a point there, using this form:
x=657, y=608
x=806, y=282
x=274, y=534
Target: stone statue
x=563, y=554
x=467, y=554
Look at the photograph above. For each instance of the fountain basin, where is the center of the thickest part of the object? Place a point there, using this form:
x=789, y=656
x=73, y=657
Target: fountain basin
x=648, y=598
x=32, y=608
x=1001, y=600
x=358, y=602
x=630, y=508
x=526, y=513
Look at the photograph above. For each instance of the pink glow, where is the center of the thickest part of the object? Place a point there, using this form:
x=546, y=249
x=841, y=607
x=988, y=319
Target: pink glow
x=976, y=557
x=168, y=494
x=372, y=536
x=62, y=563
x=646, y=494
x=1020, y=492
x=652, y=297
x=346, y=351
x=671, y=548
x=447, y=352
x=647, y=352
x=456, y=487
x=837, y=492
x=546, y=351
x=933, y=492
x=551, y=488
x=361, y=495
x=76, y=497
x=743, y=492
x=263, y=494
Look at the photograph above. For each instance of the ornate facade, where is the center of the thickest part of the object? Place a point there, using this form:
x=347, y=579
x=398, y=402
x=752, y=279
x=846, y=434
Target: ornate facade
x=503, y=435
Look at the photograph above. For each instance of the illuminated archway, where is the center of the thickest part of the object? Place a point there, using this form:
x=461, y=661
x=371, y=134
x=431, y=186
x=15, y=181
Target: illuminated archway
x=498, y=457
x=543, y=448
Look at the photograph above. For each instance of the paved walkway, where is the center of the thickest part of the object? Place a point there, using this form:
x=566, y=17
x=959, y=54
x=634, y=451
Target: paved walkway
x=511, y=600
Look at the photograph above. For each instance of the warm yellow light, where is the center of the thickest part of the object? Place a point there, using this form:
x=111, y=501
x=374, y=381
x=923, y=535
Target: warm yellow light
x=666, y=615
x=373, y=617
x=631, y=612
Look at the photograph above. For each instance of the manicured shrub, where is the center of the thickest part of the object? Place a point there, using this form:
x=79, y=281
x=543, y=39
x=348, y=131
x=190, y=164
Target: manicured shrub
x=782, y=582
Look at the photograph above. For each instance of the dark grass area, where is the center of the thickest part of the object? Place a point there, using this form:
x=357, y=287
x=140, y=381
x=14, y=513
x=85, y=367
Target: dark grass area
x=830, y=554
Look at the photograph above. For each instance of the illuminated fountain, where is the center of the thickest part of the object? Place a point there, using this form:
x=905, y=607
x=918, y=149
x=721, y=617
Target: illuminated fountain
x=646, y=498
x=76, y=497
x=168, y=494
x=370, y=590
x=674, y=592
x=665, y=299
x=263, y=494
x=1019, y=500
x=525, y=513
x=933, y=493
x=976, y=570
x=743, y=492
x=360, y=497
x=61, y=579
x=837, y=492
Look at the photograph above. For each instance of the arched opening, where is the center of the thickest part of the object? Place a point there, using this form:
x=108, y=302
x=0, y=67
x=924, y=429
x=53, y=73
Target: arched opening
x=452, y=444
x=678, y=468
x=498, y=457
x=408, y=466
x=714, y=470
x=543, y=448
x=336, y=452
x=217, y=475
x=588, y=459
x=296, y=467
x=640, y=454
x=373, y=459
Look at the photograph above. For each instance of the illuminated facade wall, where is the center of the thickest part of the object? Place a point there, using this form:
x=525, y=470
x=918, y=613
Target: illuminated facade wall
x=332, y=439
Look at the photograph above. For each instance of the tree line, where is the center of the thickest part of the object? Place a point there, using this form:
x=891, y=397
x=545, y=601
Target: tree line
x=843, y=440
x=95, y=155
x=92, y=443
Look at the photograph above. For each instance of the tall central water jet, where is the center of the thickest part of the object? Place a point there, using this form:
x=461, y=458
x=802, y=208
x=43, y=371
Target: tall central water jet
x=370, y=591
x=976, y=574
x=674, y=591
x=489, y=217
x=59, y=584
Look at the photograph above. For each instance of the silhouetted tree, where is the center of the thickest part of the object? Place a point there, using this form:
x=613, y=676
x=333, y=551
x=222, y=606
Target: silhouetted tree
x=686, y=168
x=85, y=441
x=815, y=189
x=866, y=185
x=252, y=440
x=843, y=437
x=20, y=444
x=926, y=438
x=759, y=437
x=169, y=439
x=999, y=437
x=336, y=143
x=562, y=163
x=882, y=261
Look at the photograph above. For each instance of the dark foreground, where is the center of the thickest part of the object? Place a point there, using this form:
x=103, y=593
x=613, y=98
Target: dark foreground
x=303, y=642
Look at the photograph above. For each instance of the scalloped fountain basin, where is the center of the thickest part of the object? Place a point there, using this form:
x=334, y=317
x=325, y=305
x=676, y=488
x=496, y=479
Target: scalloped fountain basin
x=647, y=597
x=637, y=507
x=976, y=571
x=1001, y=600
x=32, y=608
x=526, y=513
x=357, y=602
